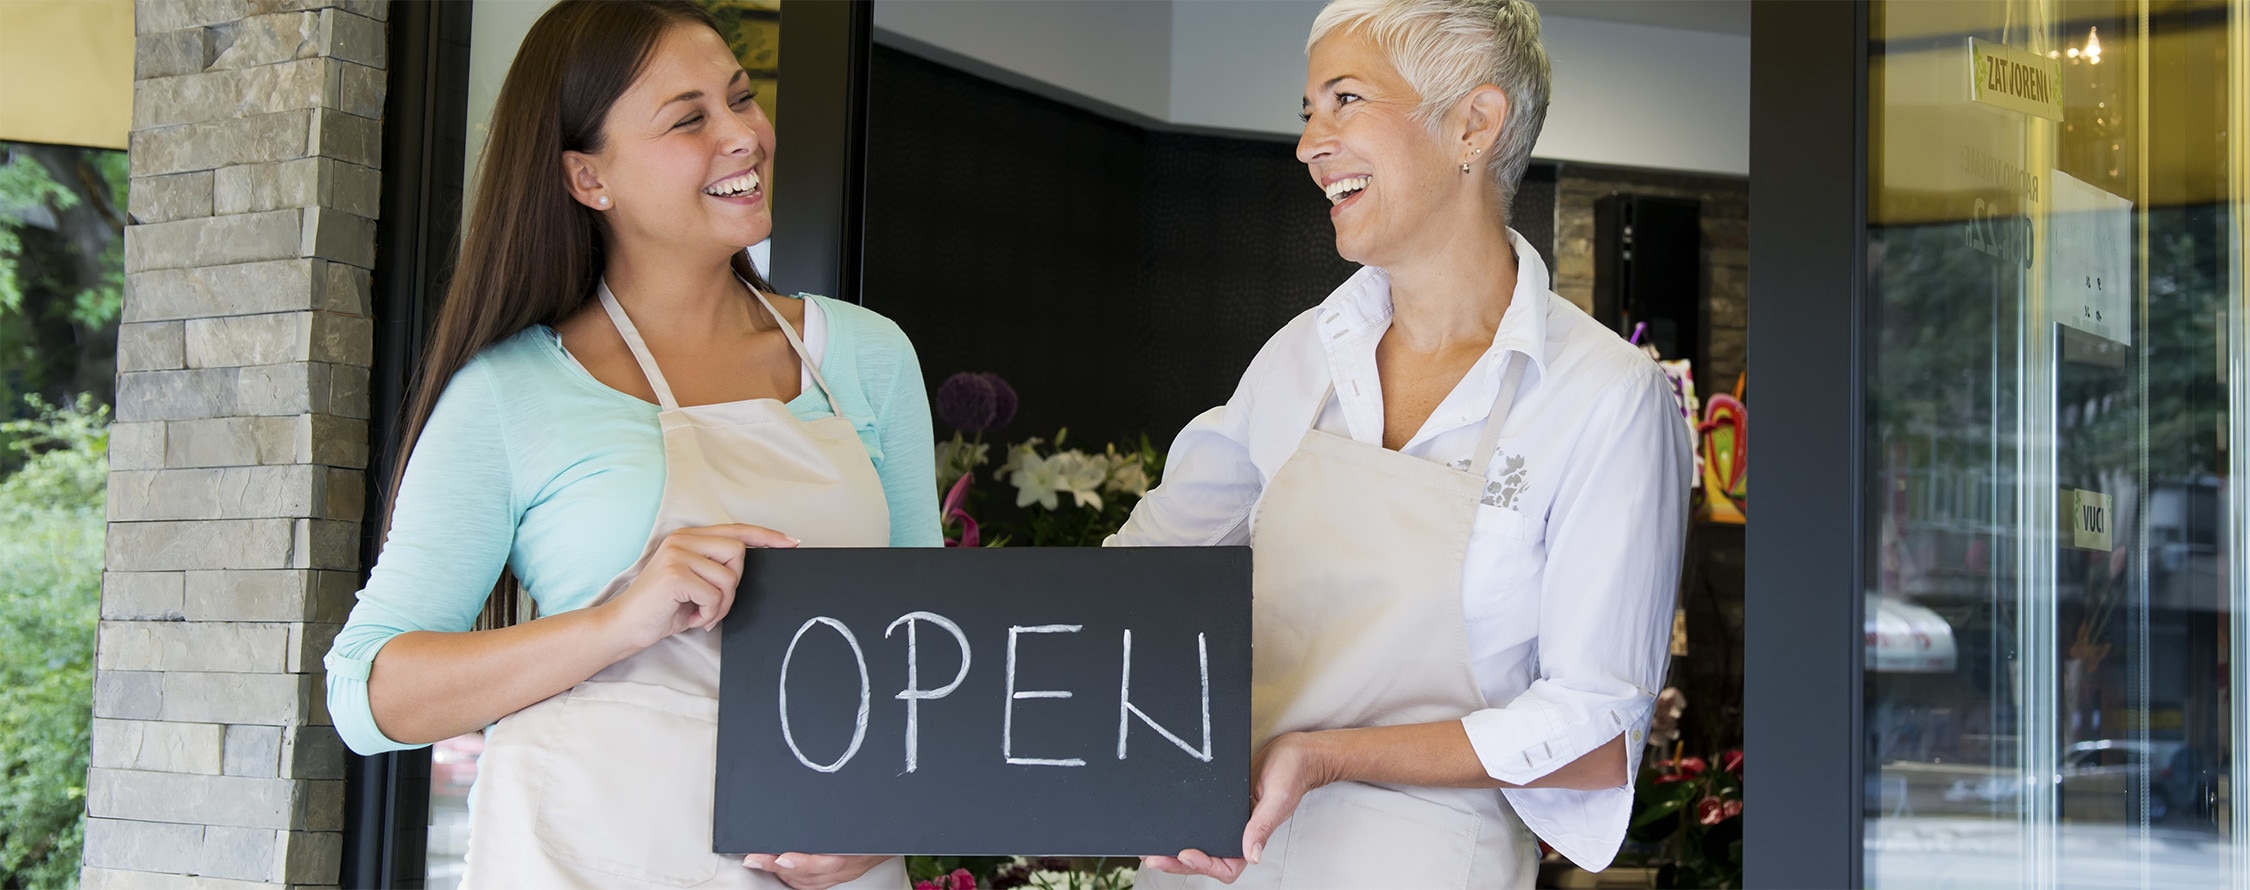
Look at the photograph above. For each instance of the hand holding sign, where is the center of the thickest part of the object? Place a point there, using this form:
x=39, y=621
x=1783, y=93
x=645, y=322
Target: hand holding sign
x=805, y=871
x=689, y=582
x=1284, y=770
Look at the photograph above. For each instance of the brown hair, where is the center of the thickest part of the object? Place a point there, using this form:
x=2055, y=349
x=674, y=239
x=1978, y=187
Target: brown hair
x=532, y=254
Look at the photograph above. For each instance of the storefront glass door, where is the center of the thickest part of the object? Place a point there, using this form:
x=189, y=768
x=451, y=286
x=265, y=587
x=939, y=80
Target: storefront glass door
x=2057, y=639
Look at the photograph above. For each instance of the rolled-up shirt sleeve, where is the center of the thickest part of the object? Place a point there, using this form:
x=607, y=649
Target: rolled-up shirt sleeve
x=1614, y=538
x=452, y=528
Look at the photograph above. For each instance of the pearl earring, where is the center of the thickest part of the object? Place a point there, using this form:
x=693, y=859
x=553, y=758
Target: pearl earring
x=604, y=200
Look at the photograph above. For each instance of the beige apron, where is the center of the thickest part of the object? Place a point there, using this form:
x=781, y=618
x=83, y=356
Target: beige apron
x=609, y=784
x=1356, y=553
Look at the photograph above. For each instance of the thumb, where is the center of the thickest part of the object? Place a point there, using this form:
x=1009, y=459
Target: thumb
x=1265, y=819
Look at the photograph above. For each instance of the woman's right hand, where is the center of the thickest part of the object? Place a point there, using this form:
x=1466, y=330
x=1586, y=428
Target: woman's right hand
x=689, y=582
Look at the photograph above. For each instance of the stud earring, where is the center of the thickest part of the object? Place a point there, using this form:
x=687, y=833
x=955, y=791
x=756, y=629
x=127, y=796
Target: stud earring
x=604, y=199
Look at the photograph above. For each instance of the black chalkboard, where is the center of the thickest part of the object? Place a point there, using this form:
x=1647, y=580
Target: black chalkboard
x=1036, y=768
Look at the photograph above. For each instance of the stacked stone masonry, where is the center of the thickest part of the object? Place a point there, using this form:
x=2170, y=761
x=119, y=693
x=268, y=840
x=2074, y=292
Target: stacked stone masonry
x=238, y=459
x=1725, y=216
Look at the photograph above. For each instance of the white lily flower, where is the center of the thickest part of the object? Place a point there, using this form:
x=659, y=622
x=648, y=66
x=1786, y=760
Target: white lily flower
x=1017, y=453
x=1035, y=478
x=1128, y=478
x=1082, y=475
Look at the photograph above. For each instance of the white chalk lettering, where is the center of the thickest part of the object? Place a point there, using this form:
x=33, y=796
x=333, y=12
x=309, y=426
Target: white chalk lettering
x=859, y=733
x=1126, y=708
x=1008, y=714
x=914, y=695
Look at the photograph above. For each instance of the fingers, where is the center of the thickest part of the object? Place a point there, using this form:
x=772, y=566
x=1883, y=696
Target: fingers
x=726, y=604
x=1201, y=863
x=808, y=871
x=1170, y=865
x=707, y=569
x=750, y=535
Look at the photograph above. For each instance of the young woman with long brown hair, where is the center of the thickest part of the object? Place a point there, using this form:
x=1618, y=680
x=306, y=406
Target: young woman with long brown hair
x=614, y=406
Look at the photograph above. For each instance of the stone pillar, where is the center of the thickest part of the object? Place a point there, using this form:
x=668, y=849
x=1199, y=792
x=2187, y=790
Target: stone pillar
x=238, y=457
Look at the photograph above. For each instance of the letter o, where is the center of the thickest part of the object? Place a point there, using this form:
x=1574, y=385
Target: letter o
x=859, y=732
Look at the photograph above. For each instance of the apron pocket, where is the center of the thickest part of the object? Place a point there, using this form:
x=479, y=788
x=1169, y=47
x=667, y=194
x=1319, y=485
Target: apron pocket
x=625, y=787
x=1355, y=835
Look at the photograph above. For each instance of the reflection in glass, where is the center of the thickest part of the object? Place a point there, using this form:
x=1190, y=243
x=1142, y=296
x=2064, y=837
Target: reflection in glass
x=2048, y=688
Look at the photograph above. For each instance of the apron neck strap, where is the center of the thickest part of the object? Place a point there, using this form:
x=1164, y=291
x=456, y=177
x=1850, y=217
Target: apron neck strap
x=639, y=347
x=1511, y=379
x=647, y=360
x=812, y=368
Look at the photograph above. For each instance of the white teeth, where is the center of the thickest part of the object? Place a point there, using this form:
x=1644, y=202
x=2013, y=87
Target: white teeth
x=1344, y=188
x=745, y=183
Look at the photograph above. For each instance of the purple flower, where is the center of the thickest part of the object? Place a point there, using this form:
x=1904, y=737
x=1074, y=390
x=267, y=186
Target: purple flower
x=965, y=402
x=1003, y=400
x=973, y=402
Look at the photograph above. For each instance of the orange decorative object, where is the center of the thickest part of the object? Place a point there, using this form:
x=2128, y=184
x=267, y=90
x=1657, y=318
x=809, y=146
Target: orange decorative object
x=1725, y=447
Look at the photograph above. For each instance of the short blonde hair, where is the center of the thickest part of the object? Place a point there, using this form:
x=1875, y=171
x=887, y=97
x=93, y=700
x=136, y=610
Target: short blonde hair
x=1446, y=49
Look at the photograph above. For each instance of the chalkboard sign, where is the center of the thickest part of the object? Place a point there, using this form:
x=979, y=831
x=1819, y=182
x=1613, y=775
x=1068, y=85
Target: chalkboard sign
x=1012, y=701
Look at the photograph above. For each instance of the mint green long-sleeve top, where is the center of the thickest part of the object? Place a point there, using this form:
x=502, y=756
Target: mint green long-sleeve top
x=530, y=463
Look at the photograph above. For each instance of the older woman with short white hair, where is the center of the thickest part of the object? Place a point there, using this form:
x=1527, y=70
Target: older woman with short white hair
x=1465, y=498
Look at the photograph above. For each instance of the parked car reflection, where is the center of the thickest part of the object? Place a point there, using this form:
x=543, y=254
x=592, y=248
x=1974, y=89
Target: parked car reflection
x=2102, y=780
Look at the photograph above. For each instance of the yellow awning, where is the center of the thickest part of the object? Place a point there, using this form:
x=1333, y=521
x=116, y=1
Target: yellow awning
x=66, y=71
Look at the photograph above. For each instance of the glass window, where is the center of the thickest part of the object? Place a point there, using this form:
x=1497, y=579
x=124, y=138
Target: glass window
x=2055, y=642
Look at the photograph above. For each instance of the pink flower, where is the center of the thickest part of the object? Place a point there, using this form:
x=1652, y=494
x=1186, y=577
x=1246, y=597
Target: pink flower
x=1731, y=760
x=1730, y=809
x=960, y=879
x=950, y=511
x=927, y=885
x=1710, y=811
x=1681, y=770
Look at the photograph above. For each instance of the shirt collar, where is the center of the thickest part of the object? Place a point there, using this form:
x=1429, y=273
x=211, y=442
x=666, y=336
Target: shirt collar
x=1363, y=303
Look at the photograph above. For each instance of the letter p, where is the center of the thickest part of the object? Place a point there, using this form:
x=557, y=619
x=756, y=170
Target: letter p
x=914, y=694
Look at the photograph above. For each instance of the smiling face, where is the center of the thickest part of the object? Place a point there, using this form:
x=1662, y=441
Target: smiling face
x=1394, y=188
x=685, y=155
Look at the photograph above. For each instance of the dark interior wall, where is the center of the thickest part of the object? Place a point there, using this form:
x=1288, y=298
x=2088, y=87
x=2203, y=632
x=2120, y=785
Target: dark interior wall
x=1120, y=278
x=1234, y=242
x=1000, y=234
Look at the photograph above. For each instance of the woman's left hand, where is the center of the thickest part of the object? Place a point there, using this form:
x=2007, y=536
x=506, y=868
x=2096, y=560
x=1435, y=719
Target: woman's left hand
x=806, y=871
x=1285, y=769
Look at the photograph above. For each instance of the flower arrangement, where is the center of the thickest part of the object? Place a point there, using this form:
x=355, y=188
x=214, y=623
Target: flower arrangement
x=1688, y=819
x=1010, y=872
x=1062, y=497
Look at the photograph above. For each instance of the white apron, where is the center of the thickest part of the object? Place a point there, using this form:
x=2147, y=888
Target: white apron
x=1356, y=553
x=609, y=784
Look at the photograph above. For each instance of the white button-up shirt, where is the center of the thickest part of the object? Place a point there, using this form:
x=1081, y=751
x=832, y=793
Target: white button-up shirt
x=1574, y=560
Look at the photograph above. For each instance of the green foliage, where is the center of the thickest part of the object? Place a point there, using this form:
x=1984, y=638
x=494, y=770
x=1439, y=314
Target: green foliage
x=51, y=530
x=25, y=188
x=1687, y=821
x=62, y=265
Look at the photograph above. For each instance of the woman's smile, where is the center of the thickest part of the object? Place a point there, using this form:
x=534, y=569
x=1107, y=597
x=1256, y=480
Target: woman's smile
x=743, y=189
x=1344, y=191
